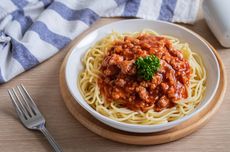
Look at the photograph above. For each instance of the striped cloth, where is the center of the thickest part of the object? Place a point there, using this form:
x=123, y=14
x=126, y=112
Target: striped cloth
x=31, y=31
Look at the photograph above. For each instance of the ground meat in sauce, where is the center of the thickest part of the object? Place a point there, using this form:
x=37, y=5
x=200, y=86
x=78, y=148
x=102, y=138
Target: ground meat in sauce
x=119, y=81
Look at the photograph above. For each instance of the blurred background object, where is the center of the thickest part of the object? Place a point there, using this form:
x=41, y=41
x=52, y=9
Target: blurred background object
x=216, y=14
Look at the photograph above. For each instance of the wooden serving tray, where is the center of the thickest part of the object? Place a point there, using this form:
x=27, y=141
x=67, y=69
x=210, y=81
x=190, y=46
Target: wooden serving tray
x=182, y=130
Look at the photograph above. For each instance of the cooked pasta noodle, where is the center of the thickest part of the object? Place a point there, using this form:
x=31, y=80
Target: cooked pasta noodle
x=88, y=84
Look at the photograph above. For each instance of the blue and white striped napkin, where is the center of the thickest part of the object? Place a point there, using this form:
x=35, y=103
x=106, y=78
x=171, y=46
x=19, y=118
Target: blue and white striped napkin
x=31, y=31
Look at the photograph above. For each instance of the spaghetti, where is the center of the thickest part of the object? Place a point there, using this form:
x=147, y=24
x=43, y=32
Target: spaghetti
x=91, y=82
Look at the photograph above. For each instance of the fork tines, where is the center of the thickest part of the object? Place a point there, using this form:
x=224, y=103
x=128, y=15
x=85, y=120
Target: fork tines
x=23, y=102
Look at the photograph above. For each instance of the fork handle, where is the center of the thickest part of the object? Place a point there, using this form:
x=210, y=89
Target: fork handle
x=51, y=140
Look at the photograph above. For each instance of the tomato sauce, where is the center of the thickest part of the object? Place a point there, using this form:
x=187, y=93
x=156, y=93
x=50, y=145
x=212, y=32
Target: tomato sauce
x=120, y=83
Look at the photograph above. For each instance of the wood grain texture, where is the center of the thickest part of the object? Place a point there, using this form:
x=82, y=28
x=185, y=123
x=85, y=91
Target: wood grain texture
x=180, y=131
x=43, y=83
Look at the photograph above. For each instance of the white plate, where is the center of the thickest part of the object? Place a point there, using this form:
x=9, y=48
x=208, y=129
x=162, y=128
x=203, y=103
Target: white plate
x=74, y=66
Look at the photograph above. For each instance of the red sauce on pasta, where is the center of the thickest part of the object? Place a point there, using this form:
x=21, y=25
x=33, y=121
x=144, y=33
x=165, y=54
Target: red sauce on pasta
x=119, y=81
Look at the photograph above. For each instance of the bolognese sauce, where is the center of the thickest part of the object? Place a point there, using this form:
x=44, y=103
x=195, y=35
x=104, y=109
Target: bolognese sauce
x=119, y=81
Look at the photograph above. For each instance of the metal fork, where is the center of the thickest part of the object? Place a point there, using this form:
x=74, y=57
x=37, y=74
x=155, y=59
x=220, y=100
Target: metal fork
x=29, y=113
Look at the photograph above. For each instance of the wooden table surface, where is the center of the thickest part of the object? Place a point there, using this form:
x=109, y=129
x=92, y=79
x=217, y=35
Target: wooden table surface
x=42, y=83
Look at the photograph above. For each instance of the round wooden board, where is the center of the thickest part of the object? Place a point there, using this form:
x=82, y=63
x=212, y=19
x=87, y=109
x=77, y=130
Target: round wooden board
x=173, y=134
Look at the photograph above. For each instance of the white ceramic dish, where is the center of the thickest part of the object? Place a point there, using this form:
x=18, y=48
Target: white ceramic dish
x=74, y=66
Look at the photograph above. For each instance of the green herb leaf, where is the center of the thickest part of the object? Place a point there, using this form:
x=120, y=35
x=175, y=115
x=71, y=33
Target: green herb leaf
x=147, y=66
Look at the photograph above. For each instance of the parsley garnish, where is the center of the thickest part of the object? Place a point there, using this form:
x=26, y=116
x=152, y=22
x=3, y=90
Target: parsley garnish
x=147, y=66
